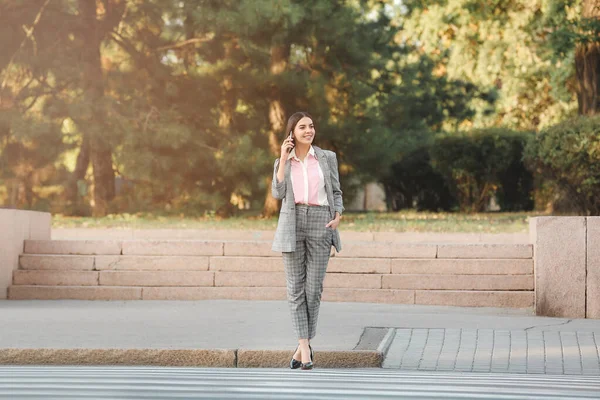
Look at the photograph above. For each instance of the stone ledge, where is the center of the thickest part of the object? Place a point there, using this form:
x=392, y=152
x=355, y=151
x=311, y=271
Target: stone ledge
x=323, y=359
x=560, y=266
x=164, y=357
x=186, y=357
x=592, y=308
x=16, y=227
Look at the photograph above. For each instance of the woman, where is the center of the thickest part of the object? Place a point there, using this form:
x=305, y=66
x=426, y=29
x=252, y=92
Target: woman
x=306, y=179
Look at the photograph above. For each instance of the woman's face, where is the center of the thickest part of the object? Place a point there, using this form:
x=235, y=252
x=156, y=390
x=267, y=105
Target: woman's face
x=304, y=132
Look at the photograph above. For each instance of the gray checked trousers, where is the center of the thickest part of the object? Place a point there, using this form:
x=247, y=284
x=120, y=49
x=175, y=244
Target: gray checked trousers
x=305, y=268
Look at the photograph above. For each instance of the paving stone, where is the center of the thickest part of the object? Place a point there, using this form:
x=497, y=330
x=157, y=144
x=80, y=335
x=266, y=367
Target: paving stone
x=487, y=350
x=397, y=348
x=535, y=351
x=589, y=356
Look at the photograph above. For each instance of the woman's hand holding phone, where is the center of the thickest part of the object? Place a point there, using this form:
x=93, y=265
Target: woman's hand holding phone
x=287, y=146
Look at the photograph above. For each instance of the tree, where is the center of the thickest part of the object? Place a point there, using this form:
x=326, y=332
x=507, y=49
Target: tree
x=495, y=44
x=94, y=29
x=573, y=29
x=30, y=140
x=186, y=100
x=587, y=60
x=63, y=59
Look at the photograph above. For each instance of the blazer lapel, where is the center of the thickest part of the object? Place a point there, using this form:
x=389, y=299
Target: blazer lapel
x=324, y=164
x=288, y=170
x=288, y=179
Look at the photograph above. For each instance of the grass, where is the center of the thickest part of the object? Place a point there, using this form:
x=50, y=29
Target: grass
x=404, y=221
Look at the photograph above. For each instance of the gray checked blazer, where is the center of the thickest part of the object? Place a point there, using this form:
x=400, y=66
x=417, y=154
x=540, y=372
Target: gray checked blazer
x=285, y=235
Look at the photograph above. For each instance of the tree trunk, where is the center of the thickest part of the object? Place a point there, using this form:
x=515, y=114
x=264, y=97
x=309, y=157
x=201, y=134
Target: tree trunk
x=587, y=66
x=226, y=109
x=13, y=193
x=81, y=166
x=279, y=61
x=93, y=86
x=228, y=101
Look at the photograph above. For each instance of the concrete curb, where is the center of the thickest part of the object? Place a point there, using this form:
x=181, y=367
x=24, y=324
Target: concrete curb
x=163, y=357
x=386, y=342
x=323, y=359
x=187, y=357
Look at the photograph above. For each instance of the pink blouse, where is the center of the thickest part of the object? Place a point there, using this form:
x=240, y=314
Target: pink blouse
x=308, y=181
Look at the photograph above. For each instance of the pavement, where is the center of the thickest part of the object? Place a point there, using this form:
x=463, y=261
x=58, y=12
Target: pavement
x=227, y=333
x=119, y=382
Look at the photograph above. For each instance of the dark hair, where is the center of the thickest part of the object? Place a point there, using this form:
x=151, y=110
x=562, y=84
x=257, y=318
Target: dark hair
x=293, y=120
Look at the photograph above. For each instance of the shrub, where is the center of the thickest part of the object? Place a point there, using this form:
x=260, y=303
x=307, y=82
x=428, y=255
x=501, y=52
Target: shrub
x=414, y=183
x=568, y=154
x=481, y=163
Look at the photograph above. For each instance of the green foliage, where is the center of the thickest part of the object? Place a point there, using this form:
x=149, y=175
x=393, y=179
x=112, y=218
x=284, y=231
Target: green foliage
x=568, y=155
x=516, y=184
x=346, y=70
x=568, y=27
x=497, y=44
x=480, y=163
x=184, y=93
x=413, y=183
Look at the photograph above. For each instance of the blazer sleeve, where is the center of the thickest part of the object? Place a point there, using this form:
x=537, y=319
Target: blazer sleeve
x=338, y=202
x=277, y=188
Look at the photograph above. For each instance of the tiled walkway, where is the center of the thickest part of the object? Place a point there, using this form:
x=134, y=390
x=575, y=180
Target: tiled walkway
x=492, y=350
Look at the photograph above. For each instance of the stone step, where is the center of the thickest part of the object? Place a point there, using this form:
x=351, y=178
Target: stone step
x=263, y=249
x=58, y=278
x=458, y=266
x=270, y=279
x=275, y=264
x=248, y=235
x=27, y=292
x=510, y=299
x=113, y=262
x=458, y=282
x=479, y=298
x=407, y=250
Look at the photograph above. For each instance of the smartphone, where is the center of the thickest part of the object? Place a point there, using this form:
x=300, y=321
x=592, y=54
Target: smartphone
x=291, y=137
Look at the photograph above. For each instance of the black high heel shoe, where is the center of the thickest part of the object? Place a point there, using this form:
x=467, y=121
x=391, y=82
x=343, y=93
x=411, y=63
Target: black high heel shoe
x=295, y=364
x=308, y=365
